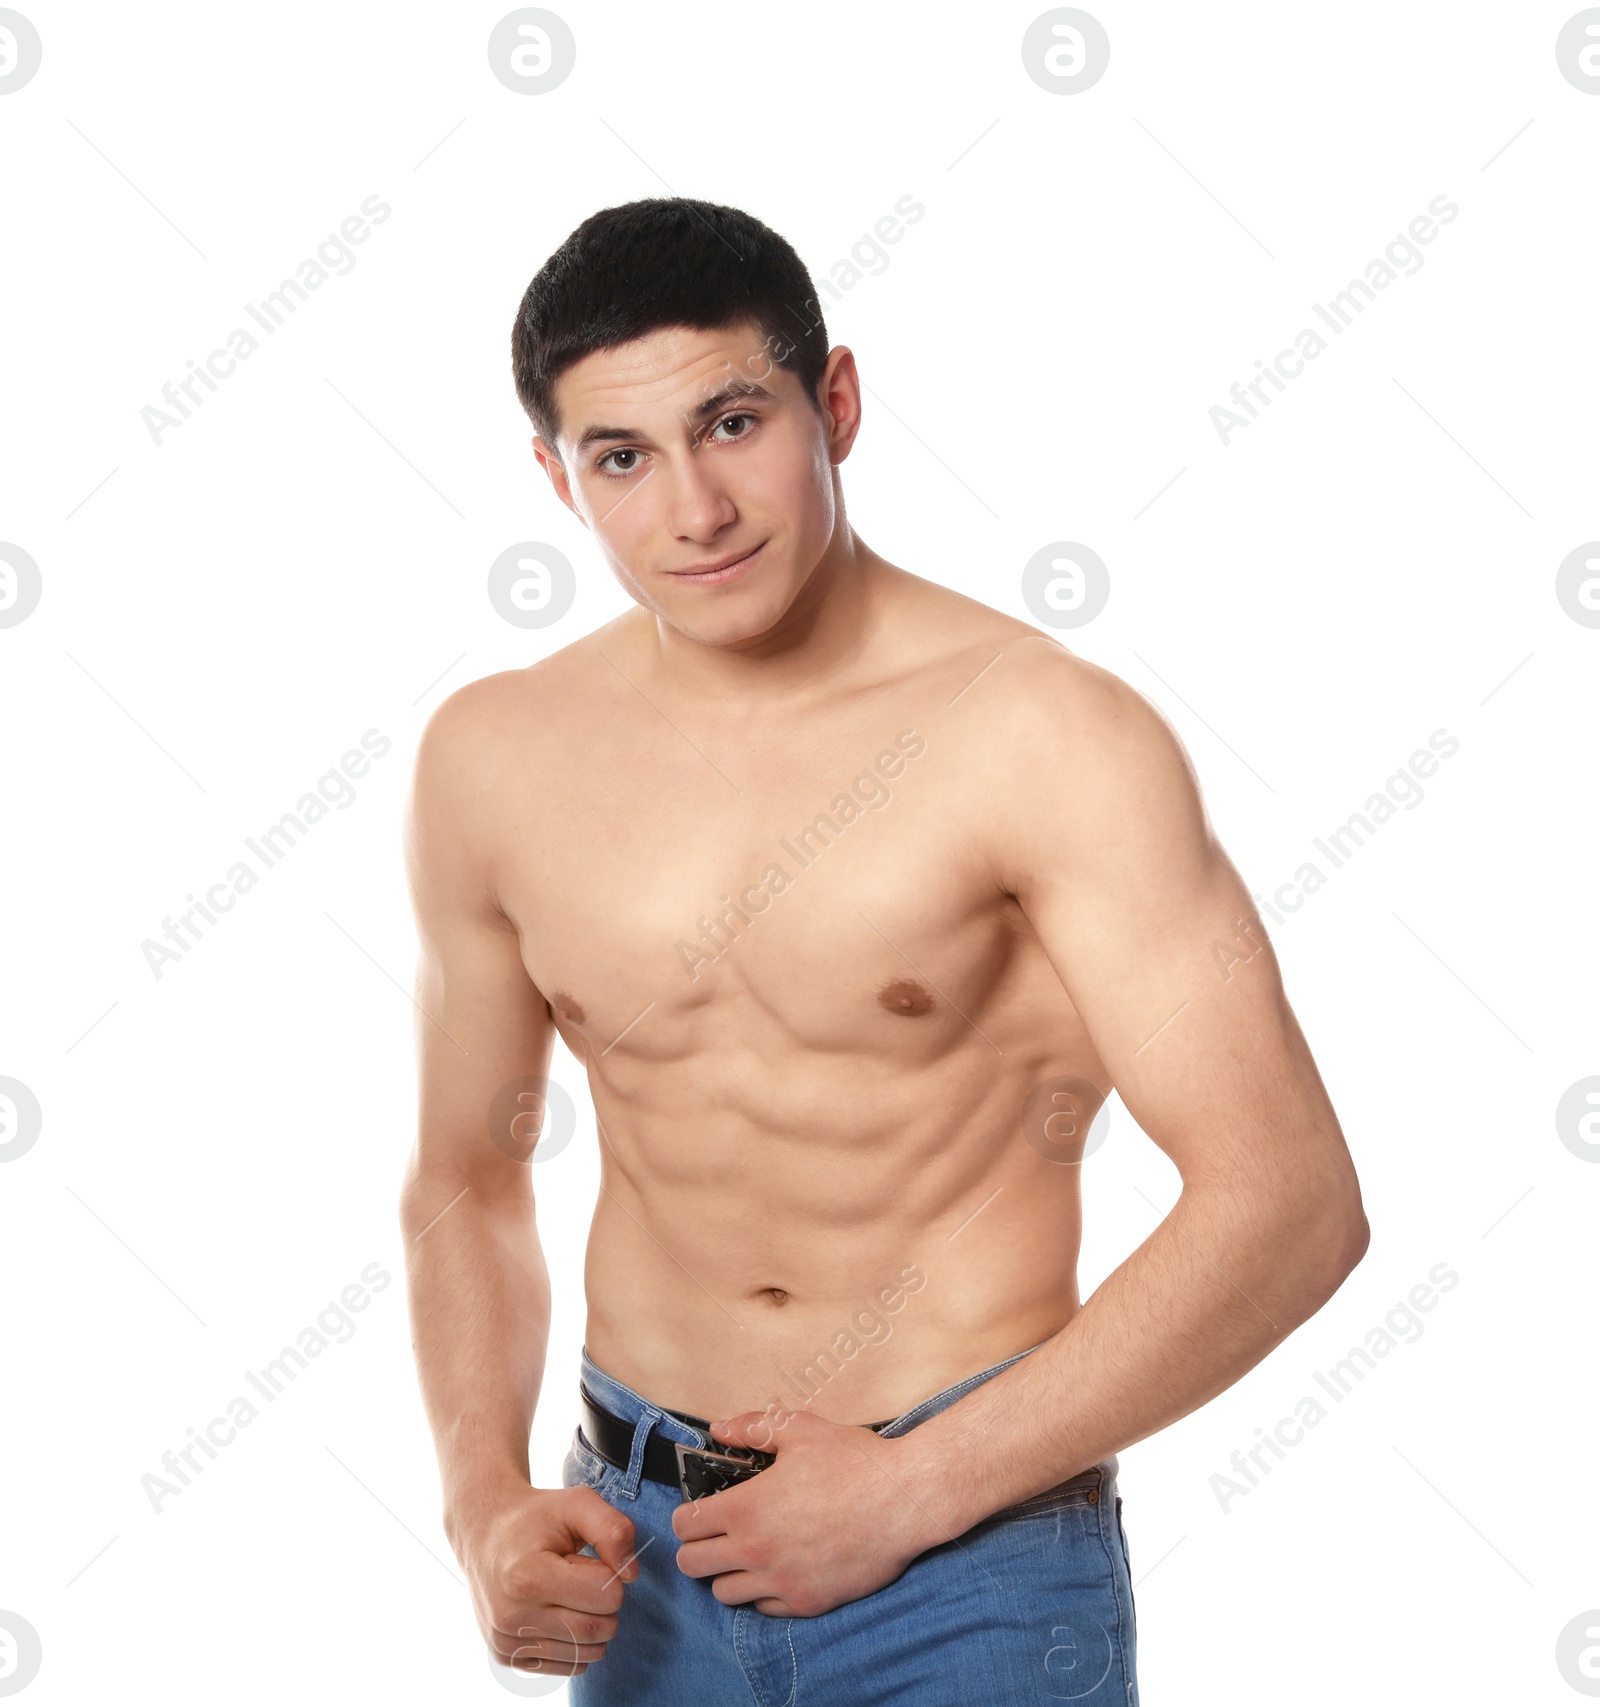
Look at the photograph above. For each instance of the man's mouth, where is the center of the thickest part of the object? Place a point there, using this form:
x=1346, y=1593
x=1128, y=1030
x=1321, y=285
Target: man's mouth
x=721, y=570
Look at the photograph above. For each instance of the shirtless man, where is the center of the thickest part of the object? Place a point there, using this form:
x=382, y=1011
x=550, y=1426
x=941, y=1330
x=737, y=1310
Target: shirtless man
x=855, y=898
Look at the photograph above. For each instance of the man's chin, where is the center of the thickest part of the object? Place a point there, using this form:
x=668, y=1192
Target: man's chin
x=725, y=628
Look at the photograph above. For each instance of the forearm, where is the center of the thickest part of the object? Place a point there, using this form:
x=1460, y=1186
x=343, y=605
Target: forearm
x=480, y=1319
x=1199, y=1303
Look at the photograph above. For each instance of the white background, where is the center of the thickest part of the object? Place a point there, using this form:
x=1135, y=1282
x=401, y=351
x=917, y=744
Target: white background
x=305, y=559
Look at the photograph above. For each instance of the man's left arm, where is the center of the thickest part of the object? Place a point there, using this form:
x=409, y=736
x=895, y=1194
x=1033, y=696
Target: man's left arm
x=1156, y=940
x=1094, y=822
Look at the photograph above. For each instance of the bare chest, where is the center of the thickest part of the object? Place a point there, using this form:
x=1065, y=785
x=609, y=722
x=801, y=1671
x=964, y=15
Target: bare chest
x=673, y=895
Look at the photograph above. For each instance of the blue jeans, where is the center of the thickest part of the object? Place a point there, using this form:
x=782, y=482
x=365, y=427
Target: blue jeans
x=1033, y=1604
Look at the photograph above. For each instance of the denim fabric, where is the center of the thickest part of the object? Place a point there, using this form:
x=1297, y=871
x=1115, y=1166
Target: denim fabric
x=1033, y=1604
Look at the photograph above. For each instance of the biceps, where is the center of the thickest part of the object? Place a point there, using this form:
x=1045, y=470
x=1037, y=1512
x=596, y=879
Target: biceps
x=1182, y=995
x=484, y=1041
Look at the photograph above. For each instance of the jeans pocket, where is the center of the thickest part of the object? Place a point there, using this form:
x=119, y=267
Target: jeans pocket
x=1122, y=1535
x=584, y=1467
x=1082, y=1489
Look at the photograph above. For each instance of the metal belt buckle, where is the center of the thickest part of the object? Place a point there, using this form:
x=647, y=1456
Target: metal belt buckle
x=703, y=1471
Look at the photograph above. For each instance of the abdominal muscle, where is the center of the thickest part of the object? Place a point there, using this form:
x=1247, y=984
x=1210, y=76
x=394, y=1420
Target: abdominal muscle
x=738, y=1261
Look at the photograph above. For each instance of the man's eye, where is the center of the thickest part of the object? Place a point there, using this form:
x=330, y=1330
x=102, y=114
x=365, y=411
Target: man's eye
x=614, y=470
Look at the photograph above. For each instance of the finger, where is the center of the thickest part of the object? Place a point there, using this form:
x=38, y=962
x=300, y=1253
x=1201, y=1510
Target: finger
x=693, y=1520
x=521, y=1650
x=559, y=1625
x=590, y=1521
x=709, y=1558
x=533, y=1643
x=590, y=1585
x=749, y=1428
x=582, y=1589
x=613, y=1541
x=539, y=1666
x=739, y=1588
x=597, y=1585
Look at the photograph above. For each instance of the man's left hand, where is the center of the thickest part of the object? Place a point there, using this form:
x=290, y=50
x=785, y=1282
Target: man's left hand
x=830, y=1521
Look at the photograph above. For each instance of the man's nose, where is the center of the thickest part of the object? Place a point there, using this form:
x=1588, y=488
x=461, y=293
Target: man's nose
x=699, y=507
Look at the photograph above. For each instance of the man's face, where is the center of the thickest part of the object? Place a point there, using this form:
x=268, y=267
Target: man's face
x=686, y=449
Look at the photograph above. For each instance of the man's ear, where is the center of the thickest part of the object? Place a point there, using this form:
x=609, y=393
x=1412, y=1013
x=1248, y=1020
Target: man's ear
x=839, y=394
x=551, y=463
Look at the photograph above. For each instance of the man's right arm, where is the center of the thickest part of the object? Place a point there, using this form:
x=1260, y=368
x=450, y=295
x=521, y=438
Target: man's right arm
x=479, y=1289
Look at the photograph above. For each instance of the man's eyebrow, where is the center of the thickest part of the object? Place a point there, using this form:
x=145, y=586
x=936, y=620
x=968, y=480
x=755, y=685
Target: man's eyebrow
x=735, y=391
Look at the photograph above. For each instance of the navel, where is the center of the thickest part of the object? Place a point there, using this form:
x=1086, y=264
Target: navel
x=905, y=996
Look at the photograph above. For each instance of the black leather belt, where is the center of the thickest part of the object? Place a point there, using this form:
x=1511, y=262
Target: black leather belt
x=696, y=1471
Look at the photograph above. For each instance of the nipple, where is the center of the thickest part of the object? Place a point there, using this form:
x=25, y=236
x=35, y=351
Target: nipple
x=905, y=996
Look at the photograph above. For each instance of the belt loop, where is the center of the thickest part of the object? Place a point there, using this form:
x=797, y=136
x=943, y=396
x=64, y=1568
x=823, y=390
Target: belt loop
x=628, y=1486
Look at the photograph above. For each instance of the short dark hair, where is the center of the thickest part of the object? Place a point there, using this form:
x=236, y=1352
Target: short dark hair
x=665, y=261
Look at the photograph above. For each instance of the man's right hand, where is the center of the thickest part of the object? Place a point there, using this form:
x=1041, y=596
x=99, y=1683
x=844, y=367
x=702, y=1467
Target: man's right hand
x=542, y=1605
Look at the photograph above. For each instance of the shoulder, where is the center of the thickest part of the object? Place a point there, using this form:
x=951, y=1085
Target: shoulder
x=1077, y=706
x=1011, y=676
x=1037, y=713
x=1022, y=675
x=489, y=753
x=1082, y=769
x=512, y=716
